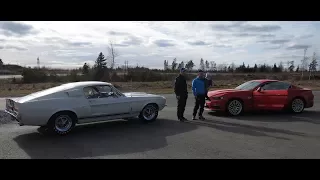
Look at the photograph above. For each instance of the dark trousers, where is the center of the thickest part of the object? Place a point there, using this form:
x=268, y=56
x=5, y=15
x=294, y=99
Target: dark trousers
x=200, y=101
x=182, y=101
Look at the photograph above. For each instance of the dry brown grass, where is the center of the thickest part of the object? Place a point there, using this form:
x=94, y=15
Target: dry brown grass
x=161, y=87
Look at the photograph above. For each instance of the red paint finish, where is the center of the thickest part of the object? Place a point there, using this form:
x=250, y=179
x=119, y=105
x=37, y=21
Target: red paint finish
x=274, y=95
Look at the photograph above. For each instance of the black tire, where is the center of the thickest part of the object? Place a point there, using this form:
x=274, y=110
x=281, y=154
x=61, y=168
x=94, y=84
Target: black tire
x=53, y=123
x=237, y=104
x=154, y=114
x=297, y=105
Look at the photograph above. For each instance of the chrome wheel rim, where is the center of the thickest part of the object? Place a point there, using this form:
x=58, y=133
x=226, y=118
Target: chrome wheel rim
x=297, y=105
x=235, y=107
x=63, y=123
x=149, y=112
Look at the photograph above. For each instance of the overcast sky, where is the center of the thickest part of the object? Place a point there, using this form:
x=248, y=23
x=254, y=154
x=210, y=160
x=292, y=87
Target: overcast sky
x=70, y=44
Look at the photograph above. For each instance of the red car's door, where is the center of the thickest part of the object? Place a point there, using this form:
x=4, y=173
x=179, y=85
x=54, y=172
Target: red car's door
x=272, y=96
x=261, y=100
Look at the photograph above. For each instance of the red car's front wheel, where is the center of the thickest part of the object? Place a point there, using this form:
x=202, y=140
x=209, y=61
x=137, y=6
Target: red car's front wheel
x=234, y=107
x=297, y=105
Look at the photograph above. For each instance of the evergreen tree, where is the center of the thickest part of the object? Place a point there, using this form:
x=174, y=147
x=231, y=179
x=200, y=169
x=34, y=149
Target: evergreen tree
x=100, y=66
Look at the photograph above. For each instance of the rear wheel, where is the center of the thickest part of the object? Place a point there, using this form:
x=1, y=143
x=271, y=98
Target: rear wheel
x=234, y=107
x=62, y=123
x=297, y=105
x=149, y=113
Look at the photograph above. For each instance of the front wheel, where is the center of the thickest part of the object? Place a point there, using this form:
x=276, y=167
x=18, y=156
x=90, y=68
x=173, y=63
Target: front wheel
x=149, y=113
x=234, y=107
x=297, y=105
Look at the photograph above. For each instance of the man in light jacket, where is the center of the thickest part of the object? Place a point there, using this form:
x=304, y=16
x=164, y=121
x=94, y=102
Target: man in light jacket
x=199, y=92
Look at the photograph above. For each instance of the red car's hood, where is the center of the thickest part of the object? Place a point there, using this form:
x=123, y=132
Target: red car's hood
x=221, y=92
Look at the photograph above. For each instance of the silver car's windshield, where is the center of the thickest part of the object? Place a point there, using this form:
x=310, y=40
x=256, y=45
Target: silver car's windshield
x=248, y=85
x=115, y=90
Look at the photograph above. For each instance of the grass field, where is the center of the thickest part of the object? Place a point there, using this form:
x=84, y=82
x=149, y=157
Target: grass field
x=160, y=87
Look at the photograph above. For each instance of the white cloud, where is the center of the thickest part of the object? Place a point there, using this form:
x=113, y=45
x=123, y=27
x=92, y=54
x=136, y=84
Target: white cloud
x=70, y=44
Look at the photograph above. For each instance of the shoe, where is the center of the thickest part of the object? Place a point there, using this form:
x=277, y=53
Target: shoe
x=181, y=119
x=185, y=119
x=194, y=118
x=202, y=118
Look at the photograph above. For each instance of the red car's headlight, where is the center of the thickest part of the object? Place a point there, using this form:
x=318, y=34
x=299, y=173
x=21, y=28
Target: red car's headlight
x=217, y=98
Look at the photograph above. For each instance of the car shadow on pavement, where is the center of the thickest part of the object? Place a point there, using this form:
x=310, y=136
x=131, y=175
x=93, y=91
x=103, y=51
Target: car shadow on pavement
x=109, y=138
x=246, y=129
x=278, y=116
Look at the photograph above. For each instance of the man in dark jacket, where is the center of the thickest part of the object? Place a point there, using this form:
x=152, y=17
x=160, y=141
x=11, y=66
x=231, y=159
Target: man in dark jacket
x=181, y=91
x=199, y=92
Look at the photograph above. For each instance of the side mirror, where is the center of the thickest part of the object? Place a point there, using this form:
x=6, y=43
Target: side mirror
x=111, y=94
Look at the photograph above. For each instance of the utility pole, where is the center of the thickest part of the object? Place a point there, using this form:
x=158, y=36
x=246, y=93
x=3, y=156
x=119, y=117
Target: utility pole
x=303, y=62
x=38, y=63
x=126, y=67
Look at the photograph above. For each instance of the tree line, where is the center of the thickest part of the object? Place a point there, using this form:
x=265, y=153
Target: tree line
x=212, y=66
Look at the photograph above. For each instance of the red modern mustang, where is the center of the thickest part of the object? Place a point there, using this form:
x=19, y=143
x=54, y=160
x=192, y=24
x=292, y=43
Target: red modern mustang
x=262, y=94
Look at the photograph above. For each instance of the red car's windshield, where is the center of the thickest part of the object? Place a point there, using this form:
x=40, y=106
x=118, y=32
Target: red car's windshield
x=248, y=85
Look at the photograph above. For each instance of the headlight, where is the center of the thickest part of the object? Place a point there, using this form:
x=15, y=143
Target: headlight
x=217, y=98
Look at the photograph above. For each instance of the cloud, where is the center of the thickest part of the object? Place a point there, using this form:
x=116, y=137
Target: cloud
x=244, y=27
x=298, y=46
x=198, y=43
x=132, y=40
x=15, y=48
x=273, y=47
x=16, y=29
x=79, y=43
x=264, y=28
x=129, y=41
x=163, y=43
x=10, y=47
x=279, y=41
x=70, y=44
x=222, y=46
x=65, y=42
x=262, y=41
x=245, y=35
x=306, y=36
x=117, y=33
x=267, y=35
x=122, y=45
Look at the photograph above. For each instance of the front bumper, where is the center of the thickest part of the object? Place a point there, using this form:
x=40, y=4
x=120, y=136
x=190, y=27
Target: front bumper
x=309, y=104
x=214, y=105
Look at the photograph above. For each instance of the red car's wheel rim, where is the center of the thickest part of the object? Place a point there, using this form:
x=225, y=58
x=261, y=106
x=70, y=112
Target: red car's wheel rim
x=235, y=107
x=297, y=105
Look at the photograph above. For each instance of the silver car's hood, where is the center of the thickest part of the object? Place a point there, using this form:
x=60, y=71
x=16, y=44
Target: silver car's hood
x=140, y=94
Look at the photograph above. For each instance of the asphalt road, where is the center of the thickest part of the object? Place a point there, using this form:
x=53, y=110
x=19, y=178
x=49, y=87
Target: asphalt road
x=268, y=135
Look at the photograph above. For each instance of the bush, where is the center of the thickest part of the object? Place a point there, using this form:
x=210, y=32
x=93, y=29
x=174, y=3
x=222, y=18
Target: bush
x=33, y=75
